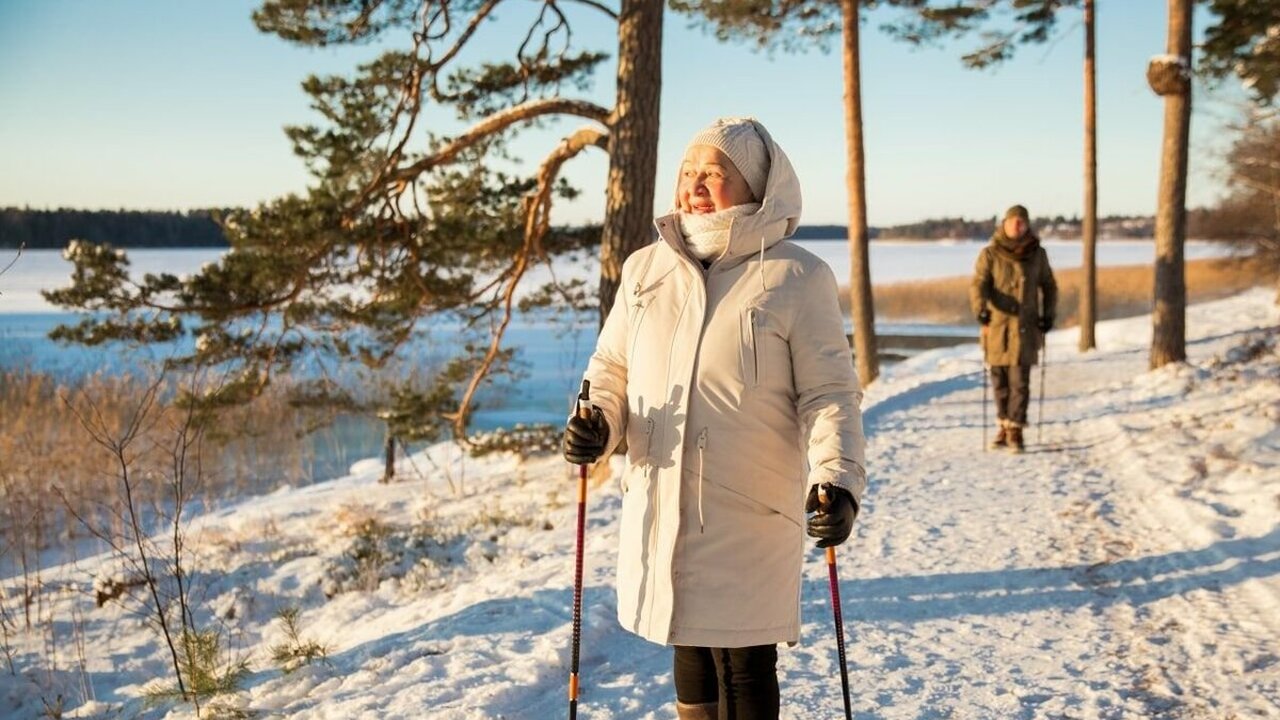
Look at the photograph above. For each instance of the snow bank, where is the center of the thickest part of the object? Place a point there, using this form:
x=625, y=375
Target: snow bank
x=1127, y=565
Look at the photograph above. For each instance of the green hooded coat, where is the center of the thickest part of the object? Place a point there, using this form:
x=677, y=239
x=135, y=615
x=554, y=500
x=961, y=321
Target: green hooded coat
x=1013, y=280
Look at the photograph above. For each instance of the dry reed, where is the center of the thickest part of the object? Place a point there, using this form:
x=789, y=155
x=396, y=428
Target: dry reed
x=1123, y=291
x=50, y=471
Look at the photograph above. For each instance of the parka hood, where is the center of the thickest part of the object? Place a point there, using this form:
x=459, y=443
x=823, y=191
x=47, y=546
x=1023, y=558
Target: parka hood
x=776, y=220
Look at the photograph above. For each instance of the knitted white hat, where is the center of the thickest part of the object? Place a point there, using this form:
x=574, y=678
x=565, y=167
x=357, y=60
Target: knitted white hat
x=737, y=138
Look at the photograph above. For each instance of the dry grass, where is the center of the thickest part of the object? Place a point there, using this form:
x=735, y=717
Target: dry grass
x=51, y=472
x=1122, y=291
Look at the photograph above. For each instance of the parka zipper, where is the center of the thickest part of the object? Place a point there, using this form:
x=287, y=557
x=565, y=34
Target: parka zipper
x=702, y=446
x=648, y=442
x=755, y=350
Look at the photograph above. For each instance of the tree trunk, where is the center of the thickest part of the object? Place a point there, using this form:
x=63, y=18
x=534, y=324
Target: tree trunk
x=1089, y=232
x=861, y=305
x=1168, y=342
x=389, y=468
x=633, y=143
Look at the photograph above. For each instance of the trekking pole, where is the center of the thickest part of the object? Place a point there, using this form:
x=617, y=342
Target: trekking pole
x=835, y=606
x=584, y=412
x=985, y=379
x=1040, y=411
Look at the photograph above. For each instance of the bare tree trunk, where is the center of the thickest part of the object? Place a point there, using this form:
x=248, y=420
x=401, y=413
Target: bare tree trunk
x=1275, y=229
x=1089, y=234
x=1168, y=342
x=633, y=143
x=389, y=451
x=861, y=305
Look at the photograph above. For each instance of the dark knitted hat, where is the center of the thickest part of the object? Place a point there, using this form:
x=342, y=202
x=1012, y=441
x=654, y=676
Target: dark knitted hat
x=1018, y=211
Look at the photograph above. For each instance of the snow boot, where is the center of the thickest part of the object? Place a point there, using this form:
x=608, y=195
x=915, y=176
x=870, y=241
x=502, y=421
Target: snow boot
x=1002, y=438
x=701, y=711
x=1015, y=439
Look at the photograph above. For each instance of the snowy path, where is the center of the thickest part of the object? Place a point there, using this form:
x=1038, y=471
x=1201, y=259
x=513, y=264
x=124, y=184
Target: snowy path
x=1069, y=581
x=1129, y=567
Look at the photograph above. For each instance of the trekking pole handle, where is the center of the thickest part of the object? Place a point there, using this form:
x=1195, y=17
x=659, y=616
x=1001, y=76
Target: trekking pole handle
x=823, y=499
x=584, y=401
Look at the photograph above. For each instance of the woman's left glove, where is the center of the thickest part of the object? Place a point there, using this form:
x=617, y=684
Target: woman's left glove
x=585, y=438
x=832, y=522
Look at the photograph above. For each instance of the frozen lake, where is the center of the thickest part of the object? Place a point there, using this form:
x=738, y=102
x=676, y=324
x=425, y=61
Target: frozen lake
x=552, y=356
x=891, y=261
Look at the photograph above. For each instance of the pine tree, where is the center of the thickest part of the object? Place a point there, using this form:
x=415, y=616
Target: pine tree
x=1170, y=77
x=400, y=224
x=1244, y=43
x=1241, y=41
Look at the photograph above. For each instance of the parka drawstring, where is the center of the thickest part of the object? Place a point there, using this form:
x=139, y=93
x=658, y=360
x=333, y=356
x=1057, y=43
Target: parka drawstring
x=702, y=445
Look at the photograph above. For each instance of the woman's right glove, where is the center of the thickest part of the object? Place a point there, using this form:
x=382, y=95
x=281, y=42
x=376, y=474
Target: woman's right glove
x=832, y=522
x=585, y=438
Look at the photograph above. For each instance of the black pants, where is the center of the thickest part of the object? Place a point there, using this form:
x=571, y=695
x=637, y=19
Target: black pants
x=744, y=681
x=1012, y=385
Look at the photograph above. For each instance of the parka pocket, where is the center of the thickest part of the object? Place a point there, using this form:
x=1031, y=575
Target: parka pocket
x=638, y=460
x=743, y=500
x=638, y=309
x=639, y=445
x=751, y=354
x=647, y=443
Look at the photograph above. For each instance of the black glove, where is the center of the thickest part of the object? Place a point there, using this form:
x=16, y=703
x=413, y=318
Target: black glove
x=1045, y=324
x=584, y=439
x=984, y=316
x=832, y=522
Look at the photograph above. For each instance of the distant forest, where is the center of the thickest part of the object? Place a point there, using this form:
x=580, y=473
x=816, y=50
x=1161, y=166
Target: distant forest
x=52, y=229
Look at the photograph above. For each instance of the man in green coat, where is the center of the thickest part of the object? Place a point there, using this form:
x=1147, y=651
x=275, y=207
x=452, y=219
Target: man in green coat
x=1015, y=298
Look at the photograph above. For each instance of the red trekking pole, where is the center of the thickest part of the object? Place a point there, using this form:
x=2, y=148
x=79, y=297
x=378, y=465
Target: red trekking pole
x=835, y=606
x=584, y=412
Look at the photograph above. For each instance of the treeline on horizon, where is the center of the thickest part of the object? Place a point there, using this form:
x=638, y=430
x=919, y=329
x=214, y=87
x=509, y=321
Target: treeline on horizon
x=53, y=229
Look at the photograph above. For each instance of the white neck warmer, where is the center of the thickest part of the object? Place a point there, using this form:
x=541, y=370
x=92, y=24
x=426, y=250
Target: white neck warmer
x=707, y=235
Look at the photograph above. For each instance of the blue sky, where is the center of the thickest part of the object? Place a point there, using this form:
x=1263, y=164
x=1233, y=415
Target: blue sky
x=181, y=104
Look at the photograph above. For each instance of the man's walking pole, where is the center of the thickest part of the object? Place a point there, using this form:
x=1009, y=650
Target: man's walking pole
x=1040, y=410
x=835, y=605
x=985, y=378
x=584, y=412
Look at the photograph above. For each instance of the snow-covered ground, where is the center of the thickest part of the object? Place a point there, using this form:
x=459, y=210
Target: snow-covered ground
x=1127, y=566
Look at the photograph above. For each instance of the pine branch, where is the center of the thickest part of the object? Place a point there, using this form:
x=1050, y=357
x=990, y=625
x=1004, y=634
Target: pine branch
x=498, y=122
x=537, y=221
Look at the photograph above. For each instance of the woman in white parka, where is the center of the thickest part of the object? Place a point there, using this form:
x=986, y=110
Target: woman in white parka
x=724, y=372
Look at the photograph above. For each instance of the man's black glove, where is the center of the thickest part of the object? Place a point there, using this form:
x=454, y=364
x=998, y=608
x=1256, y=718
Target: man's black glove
x=984, y=316
x=1045, y=324
x=584, y=439
x=832, y=522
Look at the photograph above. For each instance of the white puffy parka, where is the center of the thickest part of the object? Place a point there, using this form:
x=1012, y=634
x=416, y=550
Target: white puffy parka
x=731, y=390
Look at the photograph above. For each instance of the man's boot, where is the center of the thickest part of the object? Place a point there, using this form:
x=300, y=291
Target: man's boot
x=702, y=711
x=1015, y=439
x=1002, y=437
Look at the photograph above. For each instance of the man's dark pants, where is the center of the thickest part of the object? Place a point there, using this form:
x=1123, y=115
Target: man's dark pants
x=1012, y=385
